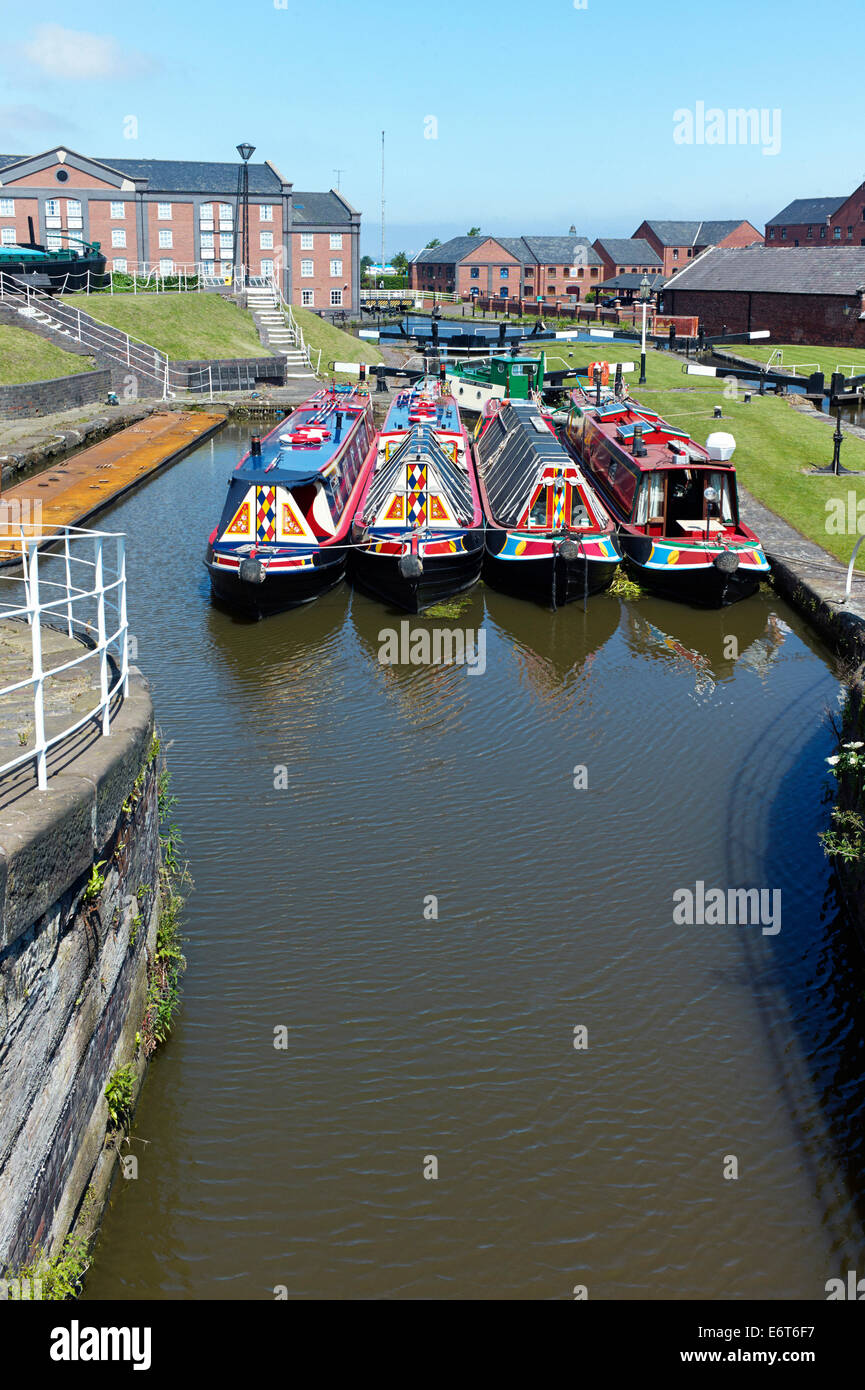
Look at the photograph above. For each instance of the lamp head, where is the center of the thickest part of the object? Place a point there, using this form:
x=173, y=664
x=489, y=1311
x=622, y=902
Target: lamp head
x=246, y=151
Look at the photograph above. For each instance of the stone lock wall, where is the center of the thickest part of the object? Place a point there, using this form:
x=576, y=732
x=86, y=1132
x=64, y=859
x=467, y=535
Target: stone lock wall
x=73, y=975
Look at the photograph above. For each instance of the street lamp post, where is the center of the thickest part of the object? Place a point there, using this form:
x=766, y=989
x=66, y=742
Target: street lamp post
x=246, y=151
x=645, y=293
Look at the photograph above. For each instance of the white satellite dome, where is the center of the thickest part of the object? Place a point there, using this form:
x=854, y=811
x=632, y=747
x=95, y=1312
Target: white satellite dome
x=721, y=446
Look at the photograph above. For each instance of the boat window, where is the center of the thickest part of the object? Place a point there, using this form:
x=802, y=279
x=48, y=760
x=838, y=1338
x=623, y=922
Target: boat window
x=650, y=500
x=721, y=483
x=538, y=514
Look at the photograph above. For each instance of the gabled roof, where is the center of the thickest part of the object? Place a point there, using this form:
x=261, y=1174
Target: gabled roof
x=529, y=250
x=785, y=270
x=623, y=249
x=181, y=175
x=628, y=281
x=693, y=233
x=806, y=210
x=321, y=207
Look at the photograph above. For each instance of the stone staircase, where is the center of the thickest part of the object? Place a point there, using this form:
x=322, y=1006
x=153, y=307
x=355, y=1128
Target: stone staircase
x=275, y=331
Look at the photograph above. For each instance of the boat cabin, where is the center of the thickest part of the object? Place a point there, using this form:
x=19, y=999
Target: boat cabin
x=655, y=477
x=531, y=482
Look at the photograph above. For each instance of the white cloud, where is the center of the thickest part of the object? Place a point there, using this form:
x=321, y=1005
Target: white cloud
x=73, y=55
x=24, y=118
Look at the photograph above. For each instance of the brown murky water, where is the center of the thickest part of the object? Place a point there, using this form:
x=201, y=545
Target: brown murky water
x=326, y=798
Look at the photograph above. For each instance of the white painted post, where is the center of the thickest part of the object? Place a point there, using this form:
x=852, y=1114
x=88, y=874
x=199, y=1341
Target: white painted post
x=124, y=624
x=210, y=378
x=78, y=313
x=99, y=586
x=38, y=673
x=68, y=580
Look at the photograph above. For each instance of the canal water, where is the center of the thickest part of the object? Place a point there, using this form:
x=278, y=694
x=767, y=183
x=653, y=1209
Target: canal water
x=402, y=868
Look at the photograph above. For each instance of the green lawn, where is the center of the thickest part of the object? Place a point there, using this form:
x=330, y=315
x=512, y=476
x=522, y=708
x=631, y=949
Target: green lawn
x=775, y=441
x=663, y=369
x=827, y=360
x=335, y=345
x=185, y=326
x=26, y=357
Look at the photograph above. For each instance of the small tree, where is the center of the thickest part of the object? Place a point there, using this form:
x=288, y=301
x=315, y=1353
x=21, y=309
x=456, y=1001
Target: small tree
x=400, y=262
x=432, y=244
x=473, y=231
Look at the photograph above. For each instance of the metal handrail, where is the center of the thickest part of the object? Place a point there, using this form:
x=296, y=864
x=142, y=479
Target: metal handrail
x=107, y=593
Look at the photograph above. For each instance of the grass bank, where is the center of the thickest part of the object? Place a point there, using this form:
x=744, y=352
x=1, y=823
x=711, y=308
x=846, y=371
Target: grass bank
x=185, y=326
x=814, y=359
x=26, y=357
x=336, y=346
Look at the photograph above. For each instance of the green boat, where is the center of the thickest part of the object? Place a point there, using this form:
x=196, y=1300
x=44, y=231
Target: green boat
x=73, y=267
x=473, y=384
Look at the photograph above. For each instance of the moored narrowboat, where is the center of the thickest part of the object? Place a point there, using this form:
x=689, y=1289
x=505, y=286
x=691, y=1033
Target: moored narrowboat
x=283, y=535
x=474, y=384
x=418, y=530
x=675, y=502
x=548, y=535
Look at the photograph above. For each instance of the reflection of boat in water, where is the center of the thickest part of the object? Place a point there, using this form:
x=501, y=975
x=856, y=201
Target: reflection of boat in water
x=674, y=501
x=549, y=537
x=282, y=538
x=419, y=526
x=555, y=657
x=714, y=650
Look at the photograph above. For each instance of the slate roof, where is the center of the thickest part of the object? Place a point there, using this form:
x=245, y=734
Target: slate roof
x=529, y=250
x=624, y=249
x=693, y=233
x=806, y=210
x=184, y=175
x=789, y=270
x=326, y=208
x=632, y=282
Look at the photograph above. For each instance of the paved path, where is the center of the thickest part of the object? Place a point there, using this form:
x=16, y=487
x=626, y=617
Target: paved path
x=67, y=696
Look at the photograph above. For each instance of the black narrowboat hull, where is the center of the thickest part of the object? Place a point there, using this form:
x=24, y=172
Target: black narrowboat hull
x=442, y=576
x=279, y=590
x=551, y=580
x=704, y=587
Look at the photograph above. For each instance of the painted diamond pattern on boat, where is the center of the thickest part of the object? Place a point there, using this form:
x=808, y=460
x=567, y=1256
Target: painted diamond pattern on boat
x=265, y=517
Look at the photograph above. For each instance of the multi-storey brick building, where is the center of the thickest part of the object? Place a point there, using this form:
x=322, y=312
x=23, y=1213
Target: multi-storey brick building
x=526, y=267
x=798, y=297
x=679, y=242
x=165, y=214
x=820, y=222
x=626, y=256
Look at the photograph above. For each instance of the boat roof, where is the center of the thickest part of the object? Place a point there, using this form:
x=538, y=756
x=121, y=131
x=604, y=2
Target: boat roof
x=285, y=459
x=667, y=446
x=515, y=447
x=421, y=445
x=403, y=406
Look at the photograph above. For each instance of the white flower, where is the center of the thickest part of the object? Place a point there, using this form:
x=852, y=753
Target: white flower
x=853, y=745
x=833, y=761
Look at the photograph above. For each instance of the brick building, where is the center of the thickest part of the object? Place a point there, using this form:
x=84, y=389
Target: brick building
x=508, y=267
x=679, y=242
x=798, y=297
x=165, y=214
x=627, y=256
x=820, y=222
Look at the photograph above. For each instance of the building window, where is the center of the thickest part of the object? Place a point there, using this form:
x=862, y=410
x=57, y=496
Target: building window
x=783, y=233
x=207, y=252
x=205, y=212
x=336, y=299
x=836, y=232
x=307, y=298
x=166, y=267
x=118, y=210
x=73, y=207
x=306, y=269
x=810, y=232
x=306, y=241
x=119, y=264
x=166, y=238
x=226, y=212
x=823, y=233
x=7, y=236
x=475, y=273
x=266, y=240
x=771, y=233
x=163, y=212
x=62, y=175
x=335, y=269
x=206, y=239
x=226, y=241
x=503, y=273
x=118, y=236
x=849, y=231
x=336, y=241
x=676, y=254
x=53, y=241
x=267, y=268
x=594, y=272
x=52, y=207
x=265, y=212
x=7, y=207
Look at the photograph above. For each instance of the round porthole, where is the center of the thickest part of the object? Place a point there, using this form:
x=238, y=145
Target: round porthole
x=62, y=175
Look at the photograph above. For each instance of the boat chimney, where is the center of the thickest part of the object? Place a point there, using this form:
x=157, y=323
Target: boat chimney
x=639, y=446
x=255, y=444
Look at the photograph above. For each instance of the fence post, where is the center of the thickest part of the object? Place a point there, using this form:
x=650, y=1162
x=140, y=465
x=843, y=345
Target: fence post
x=100, y=634
x=38, y=673
x=68, y=580
x=124, y=623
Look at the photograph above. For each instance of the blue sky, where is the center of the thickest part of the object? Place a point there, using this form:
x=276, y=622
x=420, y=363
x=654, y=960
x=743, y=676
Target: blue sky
x=544, y=115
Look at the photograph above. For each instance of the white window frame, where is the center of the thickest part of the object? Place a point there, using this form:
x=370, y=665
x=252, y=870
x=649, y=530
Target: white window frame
x=166, y=266
x=307, y=241
x=307, y=298
x=120, y=265
x=265, y=212
x=206, y=239
x=7, y=207
x=336, y=270
x=307, y=269
x=73, y=207
x=226, y=241
x=115, y=215
x=118, y=236
x=265, y=241
x=336, y=299
x=166, y=238
x=336, y=241
x=7, y=236
x=267, y=267
x=208, y=253
x=163, y=212
x=52, y=207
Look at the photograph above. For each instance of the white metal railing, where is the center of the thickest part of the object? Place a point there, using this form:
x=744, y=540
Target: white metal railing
x=72, y=580
x=148, y=277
